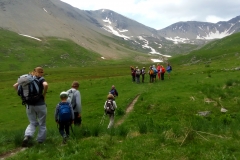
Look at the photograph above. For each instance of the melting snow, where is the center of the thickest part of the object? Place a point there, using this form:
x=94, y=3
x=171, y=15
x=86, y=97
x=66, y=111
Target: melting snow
x=177, y=39
x=107, y=20
x=111, y=30
x=30, y=37
x=124, y=30
x=153, y=51
x=217, y=34
x=45, y=10
x=156, y=60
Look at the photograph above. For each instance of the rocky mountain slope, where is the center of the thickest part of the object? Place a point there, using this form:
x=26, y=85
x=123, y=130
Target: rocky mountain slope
x=107, y=32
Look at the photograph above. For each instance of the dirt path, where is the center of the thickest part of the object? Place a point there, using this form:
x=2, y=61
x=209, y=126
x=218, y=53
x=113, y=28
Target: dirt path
x=129, y=109
x=11, y=153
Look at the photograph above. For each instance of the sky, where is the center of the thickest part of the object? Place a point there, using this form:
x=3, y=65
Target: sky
x=159, y=14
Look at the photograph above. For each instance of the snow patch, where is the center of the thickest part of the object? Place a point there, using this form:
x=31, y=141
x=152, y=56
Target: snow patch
x=153, y=51
x=45, y=10
x=103, y=57
x=177, y=39
x=30, y=37
x=156, y=60
x=217, y=34
x=107, y=20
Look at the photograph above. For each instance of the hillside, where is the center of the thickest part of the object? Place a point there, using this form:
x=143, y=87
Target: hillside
x=18, y=52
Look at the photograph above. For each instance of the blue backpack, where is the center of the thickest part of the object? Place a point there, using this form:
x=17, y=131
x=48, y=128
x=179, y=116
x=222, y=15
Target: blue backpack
x=64, y=112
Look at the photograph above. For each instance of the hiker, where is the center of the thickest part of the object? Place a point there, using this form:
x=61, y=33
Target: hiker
x=138, y=72
x=113, y=91
x=133, y=73
x=158, y=69
x=143, y=74
x=64, y=116
x=155, y=73
x=162, y=71
x=169, y=69
x=36, y=110
x=151, y=74
x=76, y=103
x=109, y=107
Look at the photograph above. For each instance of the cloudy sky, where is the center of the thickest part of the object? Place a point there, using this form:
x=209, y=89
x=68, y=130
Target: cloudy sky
x=159, y=14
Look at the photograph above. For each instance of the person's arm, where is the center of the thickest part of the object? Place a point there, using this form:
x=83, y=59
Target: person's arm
x=45, y=88
x=56, y=113
x=72, y=112
x=78, y=102
x=15, y=86
x=114, y=104
x=105, y=105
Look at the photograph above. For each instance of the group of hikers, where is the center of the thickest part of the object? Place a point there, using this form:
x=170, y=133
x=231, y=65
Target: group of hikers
x=153, y=72
x=32, y=88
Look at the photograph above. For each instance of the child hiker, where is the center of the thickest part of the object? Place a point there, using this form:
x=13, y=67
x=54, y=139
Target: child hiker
x=64, y=116
x=109, y=107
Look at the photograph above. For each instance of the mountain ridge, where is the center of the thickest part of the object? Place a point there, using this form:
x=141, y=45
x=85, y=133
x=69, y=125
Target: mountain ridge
x=105, y=31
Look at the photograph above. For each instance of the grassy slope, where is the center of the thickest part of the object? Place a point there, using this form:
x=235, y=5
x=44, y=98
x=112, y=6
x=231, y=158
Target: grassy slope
x=163, y=124
x=20, y=53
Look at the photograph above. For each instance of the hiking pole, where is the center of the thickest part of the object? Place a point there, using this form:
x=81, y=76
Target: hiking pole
x=102, y=120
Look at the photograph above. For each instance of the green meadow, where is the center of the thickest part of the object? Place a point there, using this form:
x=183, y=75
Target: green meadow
x=165, y=122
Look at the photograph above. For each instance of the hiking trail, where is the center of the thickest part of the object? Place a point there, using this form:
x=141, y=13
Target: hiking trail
x=20, y=149
x=12, y=153
x=129, y=109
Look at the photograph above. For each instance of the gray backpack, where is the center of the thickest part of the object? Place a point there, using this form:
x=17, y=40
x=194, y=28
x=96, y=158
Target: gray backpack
x=109, y=107
x=28, y=88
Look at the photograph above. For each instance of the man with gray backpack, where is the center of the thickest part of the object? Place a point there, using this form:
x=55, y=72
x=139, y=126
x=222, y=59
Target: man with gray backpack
x=32, y=89
x=109, y=107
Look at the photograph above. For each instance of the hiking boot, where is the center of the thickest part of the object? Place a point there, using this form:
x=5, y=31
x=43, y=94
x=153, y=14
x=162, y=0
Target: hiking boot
x=25, y=141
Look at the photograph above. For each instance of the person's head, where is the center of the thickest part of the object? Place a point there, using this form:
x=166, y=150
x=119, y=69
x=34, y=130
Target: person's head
x=110, y=96
x=113, y=86
x=143, y=67
x=63, y=96
x=75, y=84
x=137, y=67
x=38, y=72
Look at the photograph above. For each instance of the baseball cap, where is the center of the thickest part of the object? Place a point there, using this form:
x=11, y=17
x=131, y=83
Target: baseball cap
x=63, y=94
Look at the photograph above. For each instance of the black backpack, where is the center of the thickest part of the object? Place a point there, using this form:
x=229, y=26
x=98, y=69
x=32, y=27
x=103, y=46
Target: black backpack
x=109, y=107
x=28, y=89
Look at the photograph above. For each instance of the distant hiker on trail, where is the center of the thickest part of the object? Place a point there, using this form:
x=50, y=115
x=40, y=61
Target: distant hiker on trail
x=143, y=74
x=162, y=71
x=109, y=107
x=138, y=72
x=75, y=99
x=36, y=108
x=113, y=91
x=133, y=73
x=64, y=116
x=169, y=69
x=158, y=69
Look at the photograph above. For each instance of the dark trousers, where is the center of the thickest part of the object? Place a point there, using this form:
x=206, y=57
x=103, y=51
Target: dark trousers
x=133, y=78
x=162, y=76
x=77, y=120
x=143, y=78
x=64, y=128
